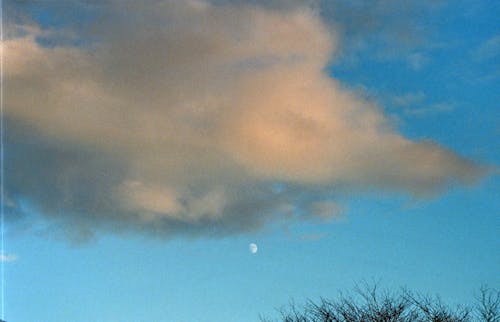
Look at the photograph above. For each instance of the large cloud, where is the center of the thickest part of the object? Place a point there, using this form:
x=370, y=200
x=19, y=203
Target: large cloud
x=195, y=118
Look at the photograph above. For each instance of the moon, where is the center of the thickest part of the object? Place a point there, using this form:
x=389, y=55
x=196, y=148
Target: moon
x=253, y=248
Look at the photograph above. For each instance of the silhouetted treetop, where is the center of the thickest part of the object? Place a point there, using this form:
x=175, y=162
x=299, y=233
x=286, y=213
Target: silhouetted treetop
x=368, y=304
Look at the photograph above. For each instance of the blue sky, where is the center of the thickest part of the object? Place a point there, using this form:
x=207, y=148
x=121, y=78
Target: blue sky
x=148, y=145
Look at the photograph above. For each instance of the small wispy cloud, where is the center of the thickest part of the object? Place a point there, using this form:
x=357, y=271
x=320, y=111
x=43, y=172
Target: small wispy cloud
x=418, y=104
x=488, y=49
x=8, y=258
x=431, y=109
x=484, y=59
x=416, y=61
x=326, y=210
x=408, y=99
x=313, y=236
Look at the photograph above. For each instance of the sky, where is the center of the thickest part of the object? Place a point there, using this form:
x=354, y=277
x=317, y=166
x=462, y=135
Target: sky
x=148, y=144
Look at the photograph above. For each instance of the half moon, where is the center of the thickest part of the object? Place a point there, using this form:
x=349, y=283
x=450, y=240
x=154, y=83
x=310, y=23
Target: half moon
x=253, y=248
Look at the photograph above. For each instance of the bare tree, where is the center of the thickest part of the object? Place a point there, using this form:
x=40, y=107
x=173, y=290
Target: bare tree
x=368, y=304
x=432, y=309
x=488, y=305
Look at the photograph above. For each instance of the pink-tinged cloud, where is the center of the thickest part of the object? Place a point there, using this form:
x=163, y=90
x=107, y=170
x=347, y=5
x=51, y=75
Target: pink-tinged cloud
x=179, y=117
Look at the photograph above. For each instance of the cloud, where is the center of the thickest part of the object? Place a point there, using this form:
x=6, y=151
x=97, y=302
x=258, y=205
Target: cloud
x=383, y=30
x=313, y=236
x=181, y=118
x=485, y=60
x=326, y=210
x=417, y=104
x=8, y=258
x=417, y=61
x=488, y=49
x=432, y=109
x=408, y=99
